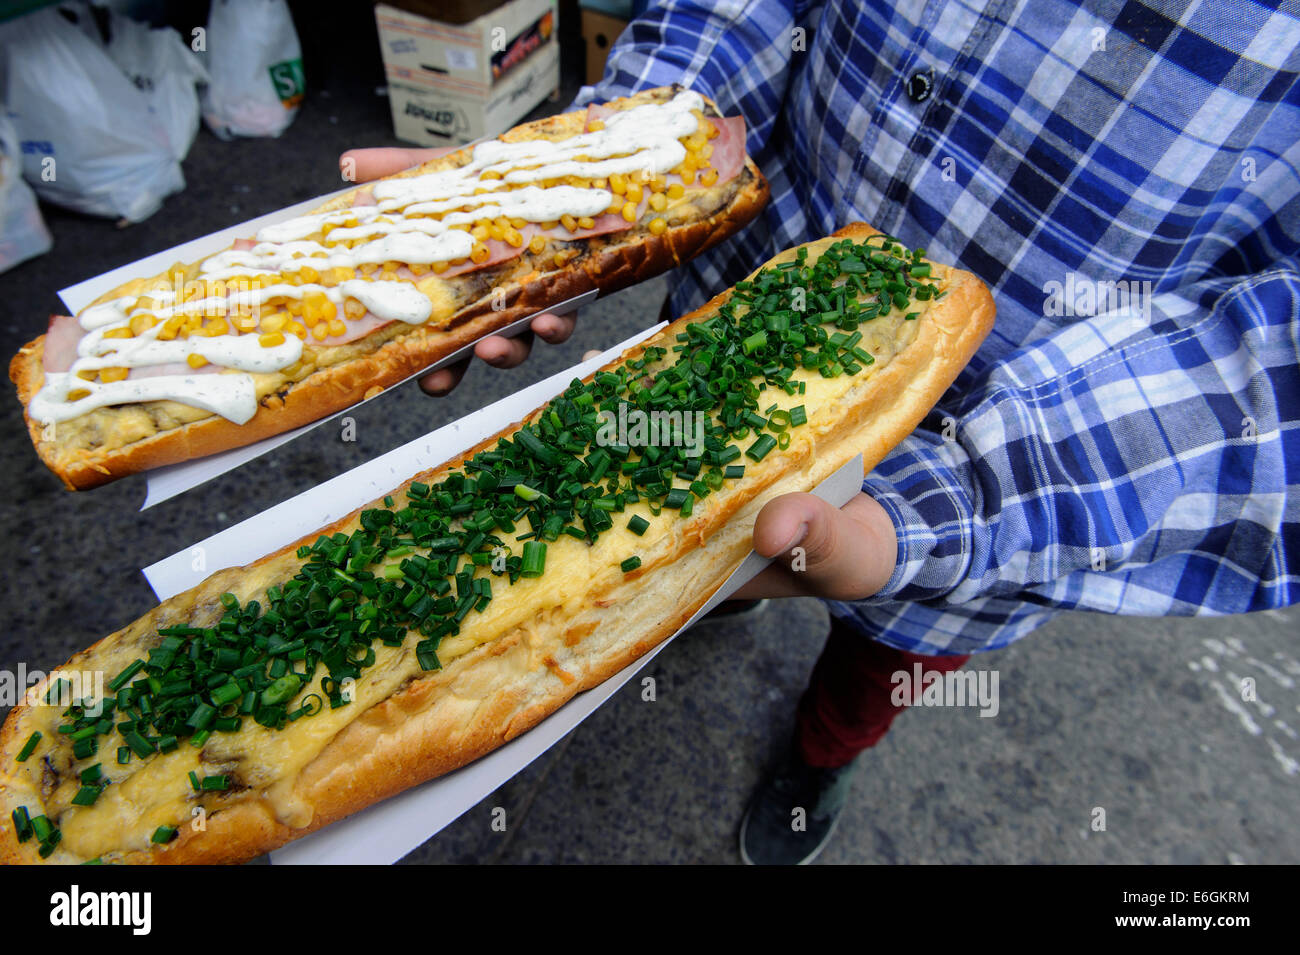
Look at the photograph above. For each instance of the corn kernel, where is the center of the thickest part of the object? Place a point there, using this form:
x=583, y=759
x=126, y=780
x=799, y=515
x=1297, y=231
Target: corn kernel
x=171, y=328
x=337, y=327
x=118, y=333
x=518, y=223
x=496, y=232
x=76, y=394
x=676, y=191
x=569, y=222
x=536, y=244
x=514, y=238
x=586, y=222
x=633, y=193
x=271, y=340
x=549, y=223
x=368, y=268
x=710, y=130
x=214, y=327
x=707, y=151
x=438, y=268
x=479, y=254
x=599, y=184
x=353, y=309
x=688, y=175
x=109, y=375
x=142, y=322
x=490, y=174
x=479, y=232
x=658, y=201
x=617, y=184
x=695, y=141
x=595, y=125
x=392, y=265
x=195, y=361
x=344, y=274
x=321, y=332
x=296, y=328
x=417, y=269
x=658, y=226
x=310, y=319
x=708, y=178
x=629, y=212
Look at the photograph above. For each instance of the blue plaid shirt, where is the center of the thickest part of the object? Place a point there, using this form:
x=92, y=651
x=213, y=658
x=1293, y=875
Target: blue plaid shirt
x=1125, y=178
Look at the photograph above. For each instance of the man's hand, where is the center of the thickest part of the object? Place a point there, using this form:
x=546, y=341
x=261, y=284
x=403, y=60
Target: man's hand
x=821, y=551
x=363, y=165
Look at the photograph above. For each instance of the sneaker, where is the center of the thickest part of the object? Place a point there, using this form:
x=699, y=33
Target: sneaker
x=775, y=831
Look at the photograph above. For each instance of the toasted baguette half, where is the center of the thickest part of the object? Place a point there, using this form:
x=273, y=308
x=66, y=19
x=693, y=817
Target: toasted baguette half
x=537, y=644
x=115, y=441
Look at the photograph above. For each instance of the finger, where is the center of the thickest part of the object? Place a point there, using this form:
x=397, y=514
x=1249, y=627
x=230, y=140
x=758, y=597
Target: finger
x=554, y=329
x=440, y=382
x=362, y=165
x=503, y=352
x=841, y=553
x=589, y=355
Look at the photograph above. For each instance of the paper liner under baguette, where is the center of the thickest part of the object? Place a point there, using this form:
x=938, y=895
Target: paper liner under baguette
x=519, y=677
x=608, y=263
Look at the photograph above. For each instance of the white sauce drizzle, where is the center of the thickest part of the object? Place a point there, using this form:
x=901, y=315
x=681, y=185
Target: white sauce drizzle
x=396, y=228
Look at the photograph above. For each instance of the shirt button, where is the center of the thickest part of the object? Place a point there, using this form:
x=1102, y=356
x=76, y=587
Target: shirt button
x=920, y=85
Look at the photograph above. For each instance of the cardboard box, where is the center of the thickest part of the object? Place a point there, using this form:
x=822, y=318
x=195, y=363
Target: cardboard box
x=453, y=83
x=599, y=31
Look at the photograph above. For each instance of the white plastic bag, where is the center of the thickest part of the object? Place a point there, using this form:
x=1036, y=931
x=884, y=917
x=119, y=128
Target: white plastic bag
x=255, y=68
x=162, y=67
x=89, y=140
x=22, y=230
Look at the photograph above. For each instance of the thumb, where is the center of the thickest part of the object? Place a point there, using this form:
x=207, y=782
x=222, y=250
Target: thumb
x=843, y=553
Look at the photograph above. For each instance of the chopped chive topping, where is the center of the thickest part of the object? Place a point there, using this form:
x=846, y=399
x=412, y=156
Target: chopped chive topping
x=534, y=562
x=22, y=823
x=86, y=796
x=427, y=559
x=29, y=746
x=163, y=834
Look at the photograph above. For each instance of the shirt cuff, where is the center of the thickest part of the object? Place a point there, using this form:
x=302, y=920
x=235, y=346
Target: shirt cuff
x=915, y=538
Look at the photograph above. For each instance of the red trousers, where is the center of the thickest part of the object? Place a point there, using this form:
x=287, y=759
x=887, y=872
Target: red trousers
x=847, y=706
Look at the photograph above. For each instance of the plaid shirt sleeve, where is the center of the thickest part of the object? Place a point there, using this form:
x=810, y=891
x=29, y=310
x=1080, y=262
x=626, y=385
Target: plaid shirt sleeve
x=1149, y=472
x=1139, y=460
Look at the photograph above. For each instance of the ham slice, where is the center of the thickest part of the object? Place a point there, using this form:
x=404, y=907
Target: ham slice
x=357, y=328
x=61, y=343
x=65, y=333
x=728, y=155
